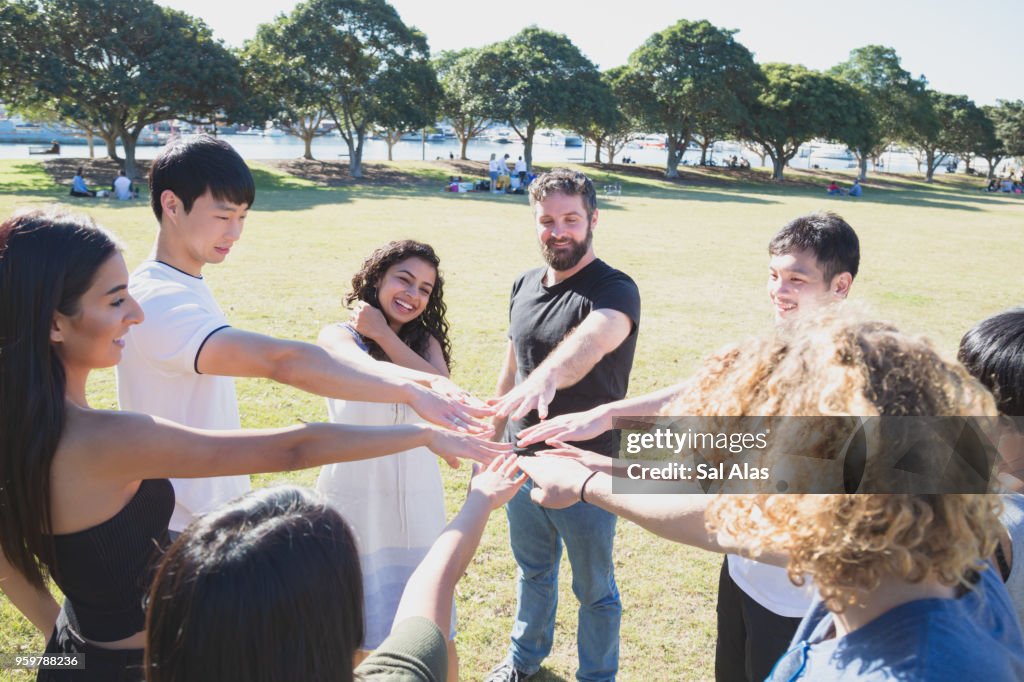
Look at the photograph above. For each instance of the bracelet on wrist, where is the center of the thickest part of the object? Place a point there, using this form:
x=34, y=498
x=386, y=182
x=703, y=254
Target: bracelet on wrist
x=585, y=482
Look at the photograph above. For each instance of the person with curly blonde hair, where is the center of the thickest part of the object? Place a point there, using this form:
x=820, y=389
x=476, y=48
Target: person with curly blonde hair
x=904, y=590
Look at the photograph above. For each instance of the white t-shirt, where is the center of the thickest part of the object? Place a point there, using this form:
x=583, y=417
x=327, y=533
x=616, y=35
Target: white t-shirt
x=122, y=187
x=520, y=166
x=157, y=374
x=771, y=587
x=492, y=166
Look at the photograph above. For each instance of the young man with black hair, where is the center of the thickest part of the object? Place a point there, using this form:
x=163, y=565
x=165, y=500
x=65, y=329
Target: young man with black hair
x=181, y=363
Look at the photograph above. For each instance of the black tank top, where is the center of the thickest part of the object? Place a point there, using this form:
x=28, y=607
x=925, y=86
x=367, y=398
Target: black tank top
x=105, y=571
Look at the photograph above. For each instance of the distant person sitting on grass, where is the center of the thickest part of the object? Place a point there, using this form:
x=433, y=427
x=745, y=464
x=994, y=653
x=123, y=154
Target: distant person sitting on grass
x=78, y=186
x=833, y=188
x=123, y=188
x=856, y=190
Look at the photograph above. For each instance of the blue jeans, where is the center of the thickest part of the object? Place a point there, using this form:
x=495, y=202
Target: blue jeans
x=537, y=535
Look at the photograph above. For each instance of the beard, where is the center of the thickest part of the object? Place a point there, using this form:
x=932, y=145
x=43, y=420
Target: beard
x=562, y=259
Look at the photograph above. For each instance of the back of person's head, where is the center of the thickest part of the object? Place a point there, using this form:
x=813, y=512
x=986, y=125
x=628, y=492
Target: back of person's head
x=79, y=171
x=48, y=260
x=564, y=181
x=825, y=234
x=267, y=588
x=121, y=172
x=192, y=167
x=837, y=365
x=993, y=351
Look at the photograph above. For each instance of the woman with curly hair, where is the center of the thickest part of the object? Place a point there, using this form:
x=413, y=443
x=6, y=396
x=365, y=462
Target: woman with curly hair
x=904, y=588
x=395, y=506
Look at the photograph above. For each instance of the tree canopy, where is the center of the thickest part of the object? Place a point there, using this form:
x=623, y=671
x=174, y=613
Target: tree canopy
x=464, y=100
x=896, y=100
x=690, y=72
x=797, y=105
x=538, y=78
x=351, y=48
x=116, y=66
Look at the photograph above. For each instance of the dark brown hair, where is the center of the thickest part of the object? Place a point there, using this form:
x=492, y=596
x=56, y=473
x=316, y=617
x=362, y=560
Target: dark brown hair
x=431, y=323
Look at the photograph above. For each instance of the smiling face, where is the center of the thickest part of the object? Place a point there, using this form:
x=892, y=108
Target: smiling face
x=93, y=337
x=203, y=235
x=564, y=231
x=404, y=290
x=796, y=284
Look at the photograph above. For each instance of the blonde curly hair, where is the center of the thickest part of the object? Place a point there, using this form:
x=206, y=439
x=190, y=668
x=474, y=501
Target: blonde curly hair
x=839, y=365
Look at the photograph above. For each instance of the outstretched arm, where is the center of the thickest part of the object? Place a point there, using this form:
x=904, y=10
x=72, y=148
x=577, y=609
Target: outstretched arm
x=149, y=447
x=601, y=332
x=559, y=483
x=431, y=587
x=592, y=423
x=237, y=353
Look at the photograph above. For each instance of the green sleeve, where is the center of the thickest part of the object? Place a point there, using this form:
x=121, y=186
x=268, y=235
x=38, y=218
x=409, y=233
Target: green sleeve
x=415, y=651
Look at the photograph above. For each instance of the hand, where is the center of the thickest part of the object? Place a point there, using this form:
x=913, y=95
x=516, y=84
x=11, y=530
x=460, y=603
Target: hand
x=449, y=412
x=498, y=481
x=557, y=480
x=591, y=460
x=576, y=426
x=451, y=447
x=536, y=393
x=368, y=321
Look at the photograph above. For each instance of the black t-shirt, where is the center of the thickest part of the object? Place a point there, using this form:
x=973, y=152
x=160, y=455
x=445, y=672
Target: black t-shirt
x=541, y=316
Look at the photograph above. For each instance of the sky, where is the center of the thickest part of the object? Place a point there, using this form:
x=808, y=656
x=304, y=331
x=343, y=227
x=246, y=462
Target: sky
x=973, y=49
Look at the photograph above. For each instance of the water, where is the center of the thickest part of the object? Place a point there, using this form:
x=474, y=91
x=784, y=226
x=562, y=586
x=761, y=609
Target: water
x=333, y=148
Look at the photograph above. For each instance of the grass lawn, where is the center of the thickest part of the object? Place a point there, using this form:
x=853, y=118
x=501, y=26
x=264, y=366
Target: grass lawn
x=935, y=259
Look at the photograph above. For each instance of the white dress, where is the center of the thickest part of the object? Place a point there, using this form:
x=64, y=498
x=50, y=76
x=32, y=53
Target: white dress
x=394, y=506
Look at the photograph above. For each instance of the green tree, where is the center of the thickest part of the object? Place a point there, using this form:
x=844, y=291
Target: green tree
x=688, y=73
x=407, y=99
x=538, y=78
x=1010, y=127
x=464, y=101
x=116, y=66
x=947, y=131
x=20, y=36
x=896, y=100
x=797, y=105
x=280, y=85
x=989, y=145
x=351, y=47
x=605, y=123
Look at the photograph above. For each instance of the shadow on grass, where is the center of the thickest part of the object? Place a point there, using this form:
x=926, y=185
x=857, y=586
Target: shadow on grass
x=545, y=675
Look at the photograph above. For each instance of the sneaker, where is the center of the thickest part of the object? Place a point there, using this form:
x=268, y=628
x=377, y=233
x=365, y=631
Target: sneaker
x=506, y=672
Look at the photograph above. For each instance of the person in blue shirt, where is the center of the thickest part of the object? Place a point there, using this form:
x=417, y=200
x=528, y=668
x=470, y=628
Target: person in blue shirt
x=856, y=190
x=78, y=186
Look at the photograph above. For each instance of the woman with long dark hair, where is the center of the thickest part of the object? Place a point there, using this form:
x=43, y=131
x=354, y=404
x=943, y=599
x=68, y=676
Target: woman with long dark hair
x=394, y=504
x=269, y=588
x=83, y=493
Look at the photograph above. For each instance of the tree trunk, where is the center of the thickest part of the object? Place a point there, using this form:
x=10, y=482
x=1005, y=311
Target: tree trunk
x=111, y=141
x=967, y=163
x=531, y=128
x=307, y=140
x=778, y=165
x=930, y=163
x=863, y=165
x=675, y=155
x=391, y=145
x=355, y=154
x=704, y=152
x=464, y=142
x=129, y=140
x=597, y=151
